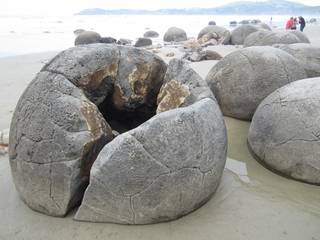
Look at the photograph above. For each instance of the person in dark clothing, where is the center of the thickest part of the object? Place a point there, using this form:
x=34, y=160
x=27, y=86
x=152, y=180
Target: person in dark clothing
x=302, y=23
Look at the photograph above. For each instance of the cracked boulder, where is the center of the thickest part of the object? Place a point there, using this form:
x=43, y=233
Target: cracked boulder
x=109, y=120
x=284, y=133
x=223, y=35
x=60, y=123
x=268, y=38
x=242, y=79
x=307, y=54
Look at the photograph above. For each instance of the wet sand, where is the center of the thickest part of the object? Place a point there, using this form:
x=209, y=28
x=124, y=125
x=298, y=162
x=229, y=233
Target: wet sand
x=250, y=203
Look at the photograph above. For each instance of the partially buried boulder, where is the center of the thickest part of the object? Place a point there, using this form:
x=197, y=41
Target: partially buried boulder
x=223, y=33
x=143, y=42
x=108, y=40
x=151, y=34
x=87, y=37
x=212, y=23
x=284, y=133
x=302, y=37
x=175, y=34
x=242, y=79
x=307, y=54
x=268, y=38
x=239, y=34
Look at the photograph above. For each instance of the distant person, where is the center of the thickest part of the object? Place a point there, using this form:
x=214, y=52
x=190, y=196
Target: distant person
x=302, y=23
x=271, y=22
x=289, y=24
x=294, y=26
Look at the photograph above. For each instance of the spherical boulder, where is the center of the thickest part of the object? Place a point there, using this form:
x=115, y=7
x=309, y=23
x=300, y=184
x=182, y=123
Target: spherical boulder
x=87, y=37
x=242, y=79
x=264, y=26
x=151, y=34
x=117, y=115
x=175, y=34
x=239, y=34
x=284, y=133
x=307, y=55
x=268, y=38
x=302, y=37
x=223, y=33
x=148, y=175
x=212, y=23
x=143, y=42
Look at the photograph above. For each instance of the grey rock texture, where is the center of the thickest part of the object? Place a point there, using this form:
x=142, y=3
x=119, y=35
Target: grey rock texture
x=56, y=134
x=284, y=133
x=151, y=34
x=175, y=34
x=302, y=37
x=182, y=86
x=239, y=34
x=223, y=33
x=87, y=37
x=123, y=41
x=149, y=175
x=202, y=56
x=212, y=23
x=242, y=79
x=108, y=40
x=143, y=42
x=307, y=54
x=268, y=38
x=264, y=26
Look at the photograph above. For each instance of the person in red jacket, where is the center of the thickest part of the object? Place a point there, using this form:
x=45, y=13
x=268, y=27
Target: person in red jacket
x=290, y=23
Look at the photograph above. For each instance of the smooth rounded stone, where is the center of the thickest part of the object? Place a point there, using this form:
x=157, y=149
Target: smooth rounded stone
x=142, y=42
x=303, y=38
x=151, y=34
x=175, y=34
x=123, y=41
x=307, y=55
x=182, y=86
x=268, y=38
x=87, y=37
x=284, y=133
x=108, y=40
x=244, y=22
x=223, y=33
x=78, y=31
x=55, y=135
x=212, y=23
x=239, y=34
x=233, y=23
x=313, y=20
x=164, y=169
x=242, y=79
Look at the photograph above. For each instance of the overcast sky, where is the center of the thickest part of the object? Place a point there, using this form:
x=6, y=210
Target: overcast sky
x=31, y=7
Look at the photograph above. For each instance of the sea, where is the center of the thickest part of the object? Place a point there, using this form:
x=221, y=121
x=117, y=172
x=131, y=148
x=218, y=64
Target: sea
x=33, y=34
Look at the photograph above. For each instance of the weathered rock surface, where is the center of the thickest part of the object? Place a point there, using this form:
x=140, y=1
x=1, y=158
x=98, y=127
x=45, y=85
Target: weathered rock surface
x=78, y=31
x=268, y=38
x=87, y=37
x=307, y=54
x=202, y=56
x=108, y=40
x=151, y=34
x=182, y=86
x=56, y=134
x=143, y=42
x=149, y=175
x=239, y=34
x=302, y=37
x=223, y=33
x=264, y=26
x=284, y=133
x=242, y=79
x=123, y=41
x=175, y=34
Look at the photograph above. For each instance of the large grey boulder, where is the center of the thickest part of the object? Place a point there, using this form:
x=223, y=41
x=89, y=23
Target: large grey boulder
x=223, y=33
x=239, y=34
x=143, y=42
x=302, y=37
x=57, y=129
x=151, y=34
x=87, y=37
x=268, y=38
x=284, y=133
x=182, y=86
x=175, y=34
x=56, y=134
x=242, y=79
x=307, y=54
x=264, y=26
x=162, y=170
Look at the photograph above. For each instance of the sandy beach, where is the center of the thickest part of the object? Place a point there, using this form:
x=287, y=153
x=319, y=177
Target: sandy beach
x=250, y=203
